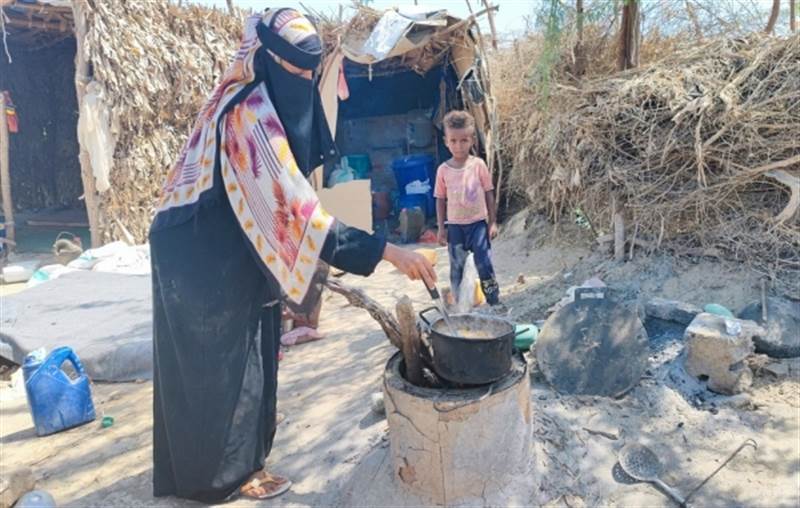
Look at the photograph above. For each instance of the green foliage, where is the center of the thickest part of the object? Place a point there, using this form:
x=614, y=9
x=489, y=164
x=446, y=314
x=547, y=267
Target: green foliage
x=551, y=18
x=556, y=20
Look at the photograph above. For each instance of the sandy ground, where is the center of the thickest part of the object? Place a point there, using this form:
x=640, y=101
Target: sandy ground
x=335, y=448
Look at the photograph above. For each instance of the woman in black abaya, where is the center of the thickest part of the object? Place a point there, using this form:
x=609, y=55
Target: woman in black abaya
x=239, y=226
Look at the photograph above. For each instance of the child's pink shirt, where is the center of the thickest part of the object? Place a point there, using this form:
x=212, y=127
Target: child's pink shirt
x=465, y=190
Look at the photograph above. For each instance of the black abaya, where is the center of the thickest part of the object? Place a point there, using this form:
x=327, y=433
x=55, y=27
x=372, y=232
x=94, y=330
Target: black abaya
x=216, y=339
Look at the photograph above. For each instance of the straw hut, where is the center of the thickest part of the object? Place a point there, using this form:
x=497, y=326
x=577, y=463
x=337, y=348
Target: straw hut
x=389, y=77
x=105, y=93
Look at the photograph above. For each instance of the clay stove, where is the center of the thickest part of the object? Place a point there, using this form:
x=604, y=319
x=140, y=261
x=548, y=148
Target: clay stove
x=452, y=446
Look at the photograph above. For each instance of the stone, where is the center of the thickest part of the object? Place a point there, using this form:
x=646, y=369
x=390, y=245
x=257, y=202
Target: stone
x=14, y=484
x=672, y=310
x=412, y=222
x=36, y=499
x=777, y=369
x=517, y=224
x=714, y=352
x=377, y=403
x=741, y=401
x=782, y=336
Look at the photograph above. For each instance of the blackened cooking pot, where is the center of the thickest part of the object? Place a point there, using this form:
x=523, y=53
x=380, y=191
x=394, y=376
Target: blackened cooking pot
x=478, y=353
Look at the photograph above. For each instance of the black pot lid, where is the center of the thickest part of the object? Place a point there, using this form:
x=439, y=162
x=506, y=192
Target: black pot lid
x=593, y=346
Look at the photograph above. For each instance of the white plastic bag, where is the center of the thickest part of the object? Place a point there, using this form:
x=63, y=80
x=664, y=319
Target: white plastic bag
x=418, y=187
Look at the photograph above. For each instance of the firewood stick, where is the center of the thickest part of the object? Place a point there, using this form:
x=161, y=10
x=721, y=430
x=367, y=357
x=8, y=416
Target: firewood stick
x=619, y=232
x=409, y=332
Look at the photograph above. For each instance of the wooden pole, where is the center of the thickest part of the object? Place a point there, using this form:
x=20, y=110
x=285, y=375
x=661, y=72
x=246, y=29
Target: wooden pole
x=39, y=25
x=793, y=15
x=580, y=51
x=619, y=230
x=5, y=173
x=488, y=104
x=492, y=27
x=90, y=197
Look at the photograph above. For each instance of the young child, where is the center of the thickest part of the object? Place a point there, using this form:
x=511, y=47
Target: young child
x=465, y=197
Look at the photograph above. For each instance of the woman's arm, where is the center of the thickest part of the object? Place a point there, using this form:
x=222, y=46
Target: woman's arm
x=357, y=252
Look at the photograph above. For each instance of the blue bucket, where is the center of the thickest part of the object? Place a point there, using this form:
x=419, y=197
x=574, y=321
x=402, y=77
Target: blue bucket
x=56, y=401
x=412, y=168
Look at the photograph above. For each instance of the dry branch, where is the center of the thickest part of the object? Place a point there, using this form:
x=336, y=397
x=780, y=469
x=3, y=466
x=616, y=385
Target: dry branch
x=793, y=183
x=359, y=299
x=773, y=16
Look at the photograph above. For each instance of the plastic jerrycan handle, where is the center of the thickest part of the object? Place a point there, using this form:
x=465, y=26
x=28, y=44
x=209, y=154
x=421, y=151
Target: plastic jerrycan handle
x=63, y=354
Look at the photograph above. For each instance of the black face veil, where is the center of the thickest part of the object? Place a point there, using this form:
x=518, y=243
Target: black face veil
x=296, y=99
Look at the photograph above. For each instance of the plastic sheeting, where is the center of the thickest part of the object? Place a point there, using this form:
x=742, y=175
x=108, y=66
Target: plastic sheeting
x=397, y=32
x=94, y=134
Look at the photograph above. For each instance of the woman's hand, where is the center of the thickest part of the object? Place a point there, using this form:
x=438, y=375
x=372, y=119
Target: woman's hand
x=413, y=264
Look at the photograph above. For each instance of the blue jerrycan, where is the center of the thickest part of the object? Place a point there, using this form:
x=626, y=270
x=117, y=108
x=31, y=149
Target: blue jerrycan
x=56, y=401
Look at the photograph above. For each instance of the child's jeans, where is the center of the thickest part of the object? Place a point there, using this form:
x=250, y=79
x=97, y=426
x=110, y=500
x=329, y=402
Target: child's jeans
x=463, y=239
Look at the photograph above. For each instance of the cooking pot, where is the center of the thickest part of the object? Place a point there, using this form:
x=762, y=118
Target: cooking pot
x=479, y=352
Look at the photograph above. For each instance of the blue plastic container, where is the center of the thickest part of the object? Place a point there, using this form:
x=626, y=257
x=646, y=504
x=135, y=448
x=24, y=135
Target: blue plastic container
x=411, y=168
x=431, y=204
x=56, y=401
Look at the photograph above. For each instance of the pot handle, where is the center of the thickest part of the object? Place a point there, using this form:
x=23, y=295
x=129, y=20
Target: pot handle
x=520, y=332
x=422, y=314
x=433, y=292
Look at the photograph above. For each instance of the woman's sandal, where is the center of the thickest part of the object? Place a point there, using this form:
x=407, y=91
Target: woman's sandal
x=265, y=486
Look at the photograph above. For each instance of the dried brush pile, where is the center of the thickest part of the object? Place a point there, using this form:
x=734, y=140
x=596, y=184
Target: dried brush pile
x=158, y=63
x=702, y=148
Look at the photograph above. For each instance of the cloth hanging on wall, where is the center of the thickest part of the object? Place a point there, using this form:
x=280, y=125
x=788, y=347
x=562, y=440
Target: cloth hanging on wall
x=94, y=134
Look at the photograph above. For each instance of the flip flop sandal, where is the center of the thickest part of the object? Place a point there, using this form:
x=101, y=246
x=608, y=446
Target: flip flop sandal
x=279, y=483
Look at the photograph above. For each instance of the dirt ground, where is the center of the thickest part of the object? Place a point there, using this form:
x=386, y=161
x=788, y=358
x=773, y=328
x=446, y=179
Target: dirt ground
x=334, y=447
